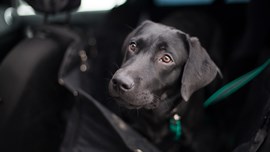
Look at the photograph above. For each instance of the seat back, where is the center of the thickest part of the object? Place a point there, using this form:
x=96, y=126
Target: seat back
x=31, y=100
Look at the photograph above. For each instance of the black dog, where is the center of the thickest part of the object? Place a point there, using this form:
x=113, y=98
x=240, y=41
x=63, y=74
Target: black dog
x=161, y=67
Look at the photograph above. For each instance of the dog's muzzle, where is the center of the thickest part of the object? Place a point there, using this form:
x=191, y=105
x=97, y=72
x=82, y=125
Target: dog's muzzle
x=130, y=93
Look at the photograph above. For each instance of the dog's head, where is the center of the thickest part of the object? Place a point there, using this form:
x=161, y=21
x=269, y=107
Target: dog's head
x=160, y=62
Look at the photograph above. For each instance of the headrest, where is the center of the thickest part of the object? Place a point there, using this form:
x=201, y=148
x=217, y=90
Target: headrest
x=54, y=6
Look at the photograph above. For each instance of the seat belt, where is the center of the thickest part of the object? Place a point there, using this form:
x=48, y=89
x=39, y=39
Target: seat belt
x=235, y=85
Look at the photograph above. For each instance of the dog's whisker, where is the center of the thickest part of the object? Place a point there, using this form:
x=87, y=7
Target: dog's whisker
x=162, y=83
x=156, y=97
x=166, y=103
x=109, y=99
x=116, y=65
x=107, y=79
x=137, y=112
x=129, y=27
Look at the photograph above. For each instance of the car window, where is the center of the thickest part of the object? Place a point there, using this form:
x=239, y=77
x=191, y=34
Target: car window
x=86, y=6
x=192, y=2
x=182, y=2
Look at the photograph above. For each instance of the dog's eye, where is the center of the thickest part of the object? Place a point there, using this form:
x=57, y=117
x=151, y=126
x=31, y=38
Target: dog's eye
x=132, y=46
x=166, y=59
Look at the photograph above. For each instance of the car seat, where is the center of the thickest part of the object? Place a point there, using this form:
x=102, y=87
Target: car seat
x=31, y=99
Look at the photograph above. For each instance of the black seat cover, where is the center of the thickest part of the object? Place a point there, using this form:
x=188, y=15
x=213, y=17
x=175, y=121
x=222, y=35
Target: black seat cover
x=31, y=100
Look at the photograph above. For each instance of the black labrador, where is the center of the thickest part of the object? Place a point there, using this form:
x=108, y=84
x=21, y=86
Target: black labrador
x=162, y=67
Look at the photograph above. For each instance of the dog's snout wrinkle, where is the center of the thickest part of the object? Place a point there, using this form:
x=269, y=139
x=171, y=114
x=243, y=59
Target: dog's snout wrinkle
x=123, y=83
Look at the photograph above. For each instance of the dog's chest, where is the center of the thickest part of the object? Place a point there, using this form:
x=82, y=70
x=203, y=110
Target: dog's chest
x=154, y=128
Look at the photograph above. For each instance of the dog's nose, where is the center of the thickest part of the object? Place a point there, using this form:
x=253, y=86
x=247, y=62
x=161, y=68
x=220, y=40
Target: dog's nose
x=123, y=83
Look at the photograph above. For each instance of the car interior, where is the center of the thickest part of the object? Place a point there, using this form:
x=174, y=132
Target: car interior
x=53, y=51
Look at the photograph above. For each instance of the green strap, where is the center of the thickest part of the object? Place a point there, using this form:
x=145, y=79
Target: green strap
x=235, y=85
x=176, y=128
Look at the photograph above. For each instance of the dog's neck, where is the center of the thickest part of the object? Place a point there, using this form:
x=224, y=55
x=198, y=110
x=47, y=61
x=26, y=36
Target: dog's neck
x=155, y=123
x=167, y=107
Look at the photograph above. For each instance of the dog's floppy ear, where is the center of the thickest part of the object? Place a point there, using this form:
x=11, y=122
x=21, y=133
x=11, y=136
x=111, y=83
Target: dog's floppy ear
x=199, y=69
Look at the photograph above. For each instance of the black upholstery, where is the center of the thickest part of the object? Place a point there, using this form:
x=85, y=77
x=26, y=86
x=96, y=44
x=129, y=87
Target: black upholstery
x=31, y=97
x=18, y=67
x=31, y=100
